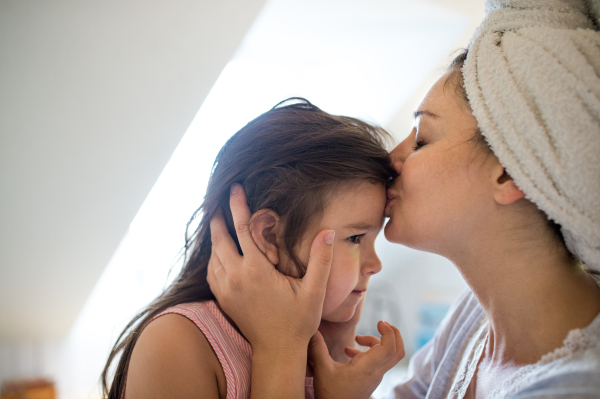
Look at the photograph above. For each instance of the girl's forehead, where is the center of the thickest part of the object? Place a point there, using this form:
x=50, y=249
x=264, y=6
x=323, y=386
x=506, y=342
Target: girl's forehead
x=358, y=204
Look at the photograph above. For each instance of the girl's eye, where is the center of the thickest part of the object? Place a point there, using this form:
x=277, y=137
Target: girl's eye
x=355, y=239
x=420, y=144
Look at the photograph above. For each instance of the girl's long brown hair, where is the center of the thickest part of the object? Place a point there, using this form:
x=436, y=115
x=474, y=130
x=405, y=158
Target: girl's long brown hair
x=287, y=160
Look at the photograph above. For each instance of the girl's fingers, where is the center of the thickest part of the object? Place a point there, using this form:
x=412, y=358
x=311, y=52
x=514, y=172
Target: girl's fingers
x=318, y=352
x=382, y=354
x=367, y=340
x=319, y=266
x=241, y=220
x=222, y=243
x=399, y=354
x=351, y=352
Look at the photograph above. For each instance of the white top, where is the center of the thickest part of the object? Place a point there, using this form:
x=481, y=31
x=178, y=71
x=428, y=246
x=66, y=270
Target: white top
x=443, y=368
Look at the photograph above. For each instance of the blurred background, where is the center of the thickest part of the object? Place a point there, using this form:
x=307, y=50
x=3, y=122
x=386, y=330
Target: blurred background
x=111, y=113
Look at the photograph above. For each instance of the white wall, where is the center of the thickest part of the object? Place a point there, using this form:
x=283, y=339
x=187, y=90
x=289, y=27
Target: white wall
x=94, y=98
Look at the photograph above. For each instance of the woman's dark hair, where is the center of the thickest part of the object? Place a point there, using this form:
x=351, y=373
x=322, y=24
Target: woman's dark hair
x=287, y=160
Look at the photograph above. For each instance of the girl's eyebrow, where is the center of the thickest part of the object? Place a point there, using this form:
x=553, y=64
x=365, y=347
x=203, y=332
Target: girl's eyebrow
x=426, y=113
x=359, y=226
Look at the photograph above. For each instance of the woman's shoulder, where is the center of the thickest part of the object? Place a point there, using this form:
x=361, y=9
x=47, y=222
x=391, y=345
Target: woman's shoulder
x=172, y=357
x=573, y=376
x=573, y=370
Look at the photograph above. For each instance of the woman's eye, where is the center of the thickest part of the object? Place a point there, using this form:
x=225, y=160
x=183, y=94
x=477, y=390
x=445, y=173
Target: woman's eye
x=420, y=144
x=355, y=239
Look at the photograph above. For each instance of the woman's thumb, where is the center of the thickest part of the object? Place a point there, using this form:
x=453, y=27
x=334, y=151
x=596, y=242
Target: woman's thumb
x=319, y=265
x=317, y=351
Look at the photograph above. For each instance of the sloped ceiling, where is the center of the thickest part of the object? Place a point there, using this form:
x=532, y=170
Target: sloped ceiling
x=94, y=98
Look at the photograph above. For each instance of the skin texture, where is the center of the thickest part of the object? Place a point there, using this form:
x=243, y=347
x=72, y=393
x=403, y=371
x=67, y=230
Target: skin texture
x=355, y=213
x=286, y=313
x=454, y=198
x=173, y=358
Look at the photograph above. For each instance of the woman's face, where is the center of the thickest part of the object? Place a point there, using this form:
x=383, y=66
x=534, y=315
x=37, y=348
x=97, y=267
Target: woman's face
x=355, y=212
x=441, y=195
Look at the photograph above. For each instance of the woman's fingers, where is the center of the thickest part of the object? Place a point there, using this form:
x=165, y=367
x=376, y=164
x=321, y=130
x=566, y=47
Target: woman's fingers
x=222, y=243
x=241, y=220
x=215, y=276
x=319, y=266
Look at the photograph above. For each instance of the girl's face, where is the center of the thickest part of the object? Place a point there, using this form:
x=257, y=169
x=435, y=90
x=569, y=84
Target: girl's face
x=355, y=212
x=441, y=196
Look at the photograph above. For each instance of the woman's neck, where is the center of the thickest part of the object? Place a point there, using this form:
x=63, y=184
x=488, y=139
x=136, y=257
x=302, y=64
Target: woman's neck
x=533, y=295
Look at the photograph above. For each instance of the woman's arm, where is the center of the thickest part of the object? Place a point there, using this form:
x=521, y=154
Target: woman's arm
x=276, y=313
x=279, y=314
x=173, y=359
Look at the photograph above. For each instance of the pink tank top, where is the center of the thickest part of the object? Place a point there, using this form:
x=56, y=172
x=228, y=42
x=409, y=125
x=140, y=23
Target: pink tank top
x=232, y=350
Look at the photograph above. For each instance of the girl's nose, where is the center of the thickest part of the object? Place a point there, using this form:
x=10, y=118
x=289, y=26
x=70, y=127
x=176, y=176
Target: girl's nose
x=372, y=265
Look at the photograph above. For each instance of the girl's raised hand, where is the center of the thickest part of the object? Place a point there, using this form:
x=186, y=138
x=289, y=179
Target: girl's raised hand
x=276, y=313
x=359, y=378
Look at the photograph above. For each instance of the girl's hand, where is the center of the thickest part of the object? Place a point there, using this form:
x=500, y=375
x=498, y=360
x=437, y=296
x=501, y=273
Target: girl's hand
x=276, y=313
x=359, y=378
x=339, y=336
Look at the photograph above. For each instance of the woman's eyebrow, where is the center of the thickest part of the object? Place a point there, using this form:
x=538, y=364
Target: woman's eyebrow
x=359, y=226
x=426, y=113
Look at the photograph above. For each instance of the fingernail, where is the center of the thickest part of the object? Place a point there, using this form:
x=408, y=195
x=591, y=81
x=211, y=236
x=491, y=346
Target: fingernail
x=328, y=239
x=234, y=188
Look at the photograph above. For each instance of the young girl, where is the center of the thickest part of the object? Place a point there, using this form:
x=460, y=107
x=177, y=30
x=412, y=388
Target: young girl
x=303, y=170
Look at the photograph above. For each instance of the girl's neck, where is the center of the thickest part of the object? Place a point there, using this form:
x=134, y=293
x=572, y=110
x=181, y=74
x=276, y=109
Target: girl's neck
x=532, y=294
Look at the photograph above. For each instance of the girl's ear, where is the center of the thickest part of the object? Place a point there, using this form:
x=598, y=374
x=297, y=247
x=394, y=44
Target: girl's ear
x=265, y=227
x=505, y=190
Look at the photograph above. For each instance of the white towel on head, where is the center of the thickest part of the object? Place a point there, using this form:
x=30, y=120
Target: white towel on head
x=532, y=76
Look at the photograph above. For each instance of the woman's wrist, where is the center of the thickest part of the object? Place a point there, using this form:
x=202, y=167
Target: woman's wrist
x=279, y=372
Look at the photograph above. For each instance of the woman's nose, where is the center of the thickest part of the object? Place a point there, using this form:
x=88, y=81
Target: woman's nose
x=396, y=158
x=400, y=153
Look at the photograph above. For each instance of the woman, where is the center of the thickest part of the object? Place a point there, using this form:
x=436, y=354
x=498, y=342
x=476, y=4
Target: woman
x=499, y=175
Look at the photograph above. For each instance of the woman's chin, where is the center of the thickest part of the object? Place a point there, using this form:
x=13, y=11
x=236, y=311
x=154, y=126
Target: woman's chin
x=391, y=232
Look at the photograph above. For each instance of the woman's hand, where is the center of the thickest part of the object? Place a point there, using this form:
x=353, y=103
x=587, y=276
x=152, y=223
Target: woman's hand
x=359, y=378
x=276, y=313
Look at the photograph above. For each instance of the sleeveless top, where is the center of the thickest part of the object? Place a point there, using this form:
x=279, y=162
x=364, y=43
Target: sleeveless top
x=232, y=350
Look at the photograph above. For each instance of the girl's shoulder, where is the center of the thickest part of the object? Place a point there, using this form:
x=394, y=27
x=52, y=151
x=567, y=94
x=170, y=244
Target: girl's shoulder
x=174, y=358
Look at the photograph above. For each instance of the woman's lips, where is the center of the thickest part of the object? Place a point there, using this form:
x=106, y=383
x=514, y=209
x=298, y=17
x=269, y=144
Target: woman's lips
x=391, y=196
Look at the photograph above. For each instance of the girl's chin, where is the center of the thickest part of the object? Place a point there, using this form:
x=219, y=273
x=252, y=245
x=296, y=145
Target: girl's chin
x=339, y=315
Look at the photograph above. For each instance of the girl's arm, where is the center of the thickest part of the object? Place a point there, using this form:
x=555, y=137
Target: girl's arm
x=173, y=359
